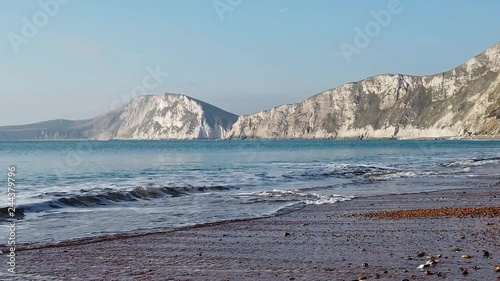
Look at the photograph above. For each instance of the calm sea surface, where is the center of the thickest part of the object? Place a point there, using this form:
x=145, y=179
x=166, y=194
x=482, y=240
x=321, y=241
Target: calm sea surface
x=71, y=189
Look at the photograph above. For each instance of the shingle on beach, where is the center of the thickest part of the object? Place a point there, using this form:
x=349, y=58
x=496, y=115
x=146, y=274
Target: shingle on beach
x=437, y=213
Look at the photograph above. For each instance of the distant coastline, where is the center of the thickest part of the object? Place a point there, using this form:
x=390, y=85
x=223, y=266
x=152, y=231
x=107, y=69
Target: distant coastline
x=463, y=103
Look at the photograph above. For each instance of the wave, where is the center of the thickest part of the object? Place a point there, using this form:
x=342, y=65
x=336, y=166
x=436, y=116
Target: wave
x=108, y=196
x=472, y=162
x=295, y=196
x=350, y=171
x=373, y=173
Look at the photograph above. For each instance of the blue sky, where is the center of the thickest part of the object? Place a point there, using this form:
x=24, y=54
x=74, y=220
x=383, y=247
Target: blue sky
x=92, y=54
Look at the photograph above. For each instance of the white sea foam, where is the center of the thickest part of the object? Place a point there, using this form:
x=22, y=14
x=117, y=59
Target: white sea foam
x=298, y=196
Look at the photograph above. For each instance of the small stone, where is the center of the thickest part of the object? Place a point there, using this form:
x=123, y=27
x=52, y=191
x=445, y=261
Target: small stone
x=287, y=234
x=427, y=272
x=486, y=254
x=466, y=257
x=439, y=256
x=456, y=250
x=422, y=266
x=465, y=272
x=420, y=255
x=497, y=268
x=365, y=264
x=362, y=278
x=475, y=267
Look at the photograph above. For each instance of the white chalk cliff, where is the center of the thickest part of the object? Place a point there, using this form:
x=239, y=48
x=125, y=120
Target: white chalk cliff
x=463, y=102
x=171, y=116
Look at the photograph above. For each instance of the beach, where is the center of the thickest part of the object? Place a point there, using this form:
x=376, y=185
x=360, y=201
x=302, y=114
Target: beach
x=456, y=231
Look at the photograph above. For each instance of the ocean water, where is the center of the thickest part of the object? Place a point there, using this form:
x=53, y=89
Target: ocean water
x=77, y=189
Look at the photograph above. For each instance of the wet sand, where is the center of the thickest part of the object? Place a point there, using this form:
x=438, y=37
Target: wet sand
x=373, y=238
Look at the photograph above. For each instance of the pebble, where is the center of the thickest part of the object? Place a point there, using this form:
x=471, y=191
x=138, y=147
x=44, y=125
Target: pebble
x=497, y=268
x=456, y=250
x=365, y=264
x=486, y=253
x=466, y=257
x=287, y=234
x=422, y=266
x=421, y=255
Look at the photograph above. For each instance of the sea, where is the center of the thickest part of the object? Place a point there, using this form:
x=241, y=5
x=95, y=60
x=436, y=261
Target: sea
x=68, y=190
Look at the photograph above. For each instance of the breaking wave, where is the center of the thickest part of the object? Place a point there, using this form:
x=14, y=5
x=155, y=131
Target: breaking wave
x=105, y=197
x=348, y=171
x=472, y=162
x=380, y=173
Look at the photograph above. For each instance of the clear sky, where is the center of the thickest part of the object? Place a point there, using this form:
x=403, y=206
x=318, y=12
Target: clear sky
x=241, y=55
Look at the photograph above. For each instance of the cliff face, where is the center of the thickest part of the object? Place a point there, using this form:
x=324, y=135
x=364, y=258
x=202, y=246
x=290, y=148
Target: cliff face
x=171, y=116
x=463, y=102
